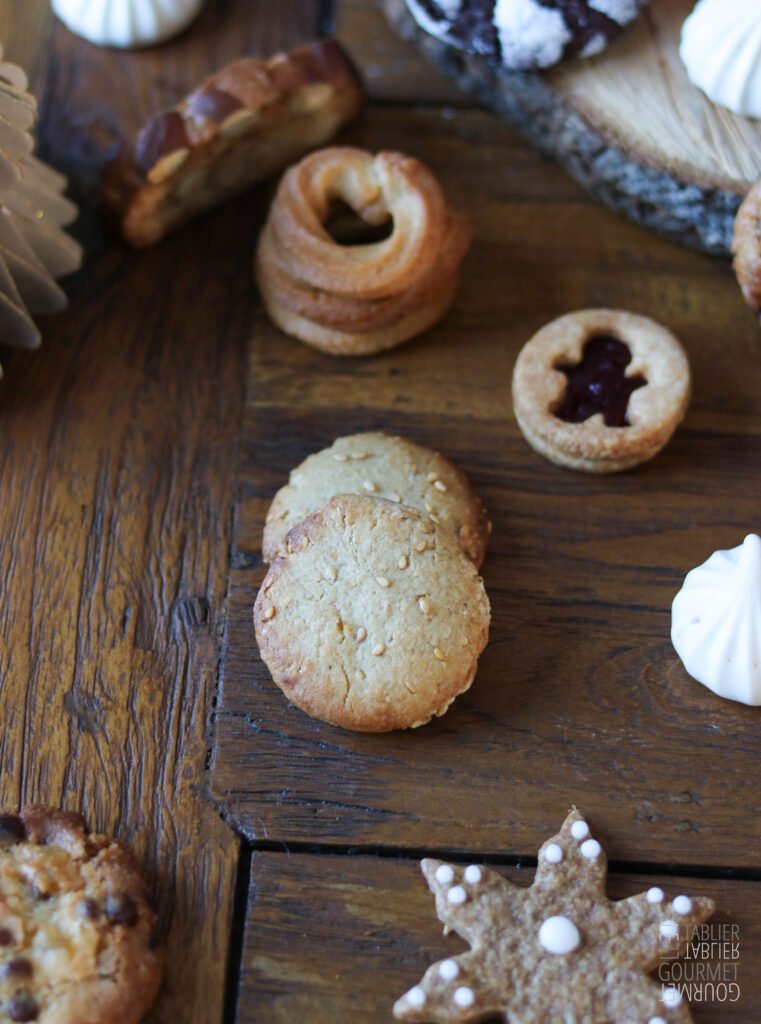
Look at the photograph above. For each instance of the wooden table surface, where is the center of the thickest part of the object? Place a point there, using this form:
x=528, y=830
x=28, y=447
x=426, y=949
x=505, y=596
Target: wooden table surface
x=141, y=445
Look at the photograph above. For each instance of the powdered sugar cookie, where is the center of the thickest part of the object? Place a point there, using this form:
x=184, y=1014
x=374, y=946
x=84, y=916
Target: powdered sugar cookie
x=526, y=34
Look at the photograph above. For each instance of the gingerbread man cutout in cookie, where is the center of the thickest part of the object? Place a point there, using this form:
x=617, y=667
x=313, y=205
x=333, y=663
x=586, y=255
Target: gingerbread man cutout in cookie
x=598, y=384
x=559, y=950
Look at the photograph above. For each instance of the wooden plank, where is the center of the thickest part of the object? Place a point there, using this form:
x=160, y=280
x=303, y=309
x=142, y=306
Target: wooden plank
x=116, y=475
x=393, y=70
x=579, y=696
x=333, y=939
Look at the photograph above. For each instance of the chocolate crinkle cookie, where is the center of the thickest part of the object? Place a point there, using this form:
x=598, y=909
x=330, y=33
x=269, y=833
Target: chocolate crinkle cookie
x=526, y=34
x=77, y=932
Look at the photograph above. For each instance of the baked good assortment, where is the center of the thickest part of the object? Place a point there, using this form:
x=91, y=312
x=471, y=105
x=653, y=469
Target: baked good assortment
x=526, y=34
x=239, y=127
x=383, y=466
x=372, y=615
x=77, y=929
x=559, y=950
x=375, y=619
x=600, y=390
x=359, y=299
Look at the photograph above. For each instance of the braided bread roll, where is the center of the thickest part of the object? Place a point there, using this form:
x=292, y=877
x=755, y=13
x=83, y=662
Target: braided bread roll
x=356, y=300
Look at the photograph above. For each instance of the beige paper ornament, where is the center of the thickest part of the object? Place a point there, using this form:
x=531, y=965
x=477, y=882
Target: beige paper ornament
x=34, y=248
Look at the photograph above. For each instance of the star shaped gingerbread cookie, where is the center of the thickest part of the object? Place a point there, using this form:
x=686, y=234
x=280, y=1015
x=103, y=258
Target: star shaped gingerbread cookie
x=557, y=951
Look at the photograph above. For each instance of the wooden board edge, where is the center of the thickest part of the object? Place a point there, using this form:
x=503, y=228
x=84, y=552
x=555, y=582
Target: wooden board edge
x=695, y=214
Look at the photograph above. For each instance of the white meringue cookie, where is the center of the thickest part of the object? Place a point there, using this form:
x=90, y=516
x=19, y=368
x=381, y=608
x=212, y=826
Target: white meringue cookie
x=721, y=49
x=126, y=23
x=716, y=622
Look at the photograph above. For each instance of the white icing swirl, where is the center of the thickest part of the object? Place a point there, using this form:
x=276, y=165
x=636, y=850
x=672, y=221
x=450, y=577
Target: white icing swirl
x=721, y=49
x=716, y=622
x=126, y=23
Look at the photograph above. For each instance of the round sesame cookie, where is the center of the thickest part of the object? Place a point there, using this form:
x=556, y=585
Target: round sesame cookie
x=77, y=935
x=387, y=467
x=376, y=619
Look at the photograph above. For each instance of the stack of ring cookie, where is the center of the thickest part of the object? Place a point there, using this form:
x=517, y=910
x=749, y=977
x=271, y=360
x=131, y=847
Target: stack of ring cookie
x=360, y=299
x=600, y=390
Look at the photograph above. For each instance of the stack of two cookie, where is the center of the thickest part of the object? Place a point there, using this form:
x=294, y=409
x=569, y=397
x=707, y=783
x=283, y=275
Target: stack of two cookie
x=372, y=615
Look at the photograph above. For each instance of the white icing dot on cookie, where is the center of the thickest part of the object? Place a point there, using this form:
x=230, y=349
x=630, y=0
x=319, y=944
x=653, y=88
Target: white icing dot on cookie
x=449, y=969
x=553, y=853
x=669, y=929
x=655, y=895
x=682, y=904
x=472, y=874
x=672, y=997
x=591, y=849
x=559, y=935
x=457, y=895
x=444, y=874
x=580, y=829
x=416, y=996
x=464, y=997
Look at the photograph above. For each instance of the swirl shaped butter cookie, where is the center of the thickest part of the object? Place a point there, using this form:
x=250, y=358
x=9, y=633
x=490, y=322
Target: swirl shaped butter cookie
x=359, y=299
x=525, y=34
x=77, y=931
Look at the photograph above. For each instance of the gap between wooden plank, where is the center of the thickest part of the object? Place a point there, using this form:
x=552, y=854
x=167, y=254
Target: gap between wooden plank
x=740, y=874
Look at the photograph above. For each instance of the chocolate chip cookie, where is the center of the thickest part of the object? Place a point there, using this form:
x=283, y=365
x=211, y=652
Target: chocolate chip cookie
x=77, y=934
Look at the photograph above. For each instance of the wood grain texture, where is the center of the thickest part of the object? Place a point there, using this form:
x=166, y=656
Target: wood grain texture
x=116, y=475
x=627, y=125
x=339, y=939
x=579, y=694
x=638, y=95
x=393, y=70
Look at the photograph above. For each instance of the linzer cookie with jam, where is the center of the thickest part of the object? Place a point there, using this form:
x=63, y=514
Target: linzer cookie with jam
x=525, y=34
x=77, y=934
x=600, y=390
x=242, y=125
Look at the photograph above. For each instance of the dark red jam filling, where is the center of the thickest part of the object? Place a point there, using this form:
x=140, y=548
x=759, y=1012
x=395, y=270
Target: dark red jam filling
x=598, y=384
